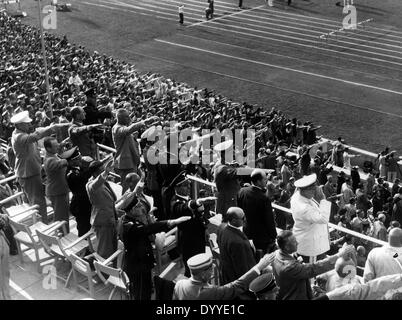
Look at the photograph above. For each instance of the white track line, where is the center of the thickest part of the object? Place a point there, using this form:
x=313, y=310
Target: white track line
x=253, y=35
x=20, y=290
x=306, y=40
x=266, y=84
x=292, y=58
x=313, y=36
x=226, y=16
x=358, y=84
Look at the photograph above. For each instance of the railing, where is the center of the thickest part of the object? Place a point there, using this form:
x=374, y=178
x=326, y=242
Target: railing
x=197, y=180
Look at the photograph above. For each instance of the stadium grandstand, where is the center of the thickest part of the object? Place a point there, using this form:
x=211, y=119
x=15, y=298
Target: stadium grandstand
x=128, y=173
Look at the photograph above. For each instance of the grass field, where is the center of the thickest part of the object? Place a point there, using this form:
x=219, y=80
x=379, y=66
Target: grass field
x=271, y=56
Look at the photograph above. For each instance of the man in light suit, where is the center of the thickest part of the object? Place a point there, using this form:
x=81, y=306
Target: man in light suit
x=311, y=215
x=103, y=215
x=127, y=156
x=27, y=159
x=237, y=255
x=56, y=183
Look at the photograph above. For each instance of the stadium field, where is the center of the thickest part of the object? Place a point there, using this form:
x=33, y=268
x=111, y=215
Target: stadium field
x=350, y=83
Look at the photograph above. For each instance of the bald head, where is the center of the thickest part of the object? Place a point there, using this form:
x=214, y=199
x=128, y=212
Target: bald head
x=123, y=117
x=395, y=237
x=235, y=216
x=258, y=178
x=132, y=180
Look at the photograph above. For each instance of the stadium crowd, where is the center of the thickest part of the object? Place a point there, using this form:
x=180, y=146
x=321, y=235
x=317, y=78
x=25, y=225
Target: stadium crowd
x=98, y=99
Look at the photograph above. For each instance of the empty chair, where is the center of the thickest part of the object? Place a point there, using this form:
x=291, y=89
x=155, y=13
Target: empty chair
x=61, y=247
x=114, y=277
x=26, y=235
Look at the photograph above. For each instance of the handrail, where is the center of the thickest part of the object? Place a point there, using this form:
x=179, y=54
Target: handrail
x=8, y=179
x=102, y=146
x=334, y=226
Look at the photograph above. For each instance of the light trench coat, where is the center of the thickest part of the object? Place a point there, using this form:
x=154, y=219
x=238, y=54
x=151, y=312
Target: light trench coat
x=311, y=225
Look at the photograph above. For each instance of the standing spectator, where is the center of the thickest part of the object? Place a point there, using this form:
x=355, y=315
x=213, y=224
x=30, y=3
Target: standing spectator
x=305, y=161
x=362, y=201
x=392, y=167
x=286, y=174
x=311, y=220
x=56, y=184
x=198, y=287
x=380, y=261
x=337, y=152
x=4, y=261
x=138, y=226
x=226, y=179
x=382, y=158
x=354, y=175
x=346, y=158
x=237, y=255
x=340, y=181
x=82, y=136
x=292, y=276
x=397, y=207
x=260, y=224
x=127, y=158
x=77, y=176
x=191, y=234
x=370, y=183
x=378, y=203
x=378, y=229
x=395, y=187
x=103, y=215
x=347, y=191
x=28, y=163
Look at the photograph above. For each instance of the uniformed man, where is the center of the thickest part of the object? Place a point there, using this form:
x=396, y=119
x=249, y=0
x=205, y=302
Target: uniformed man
x=191, y=238
x=227, y=183
x=198, y=288
x=138, y=225
x=77, y=176
x=82, y=136
x=264, y=287
x=28, y=162
x=310, y=212
x=56, y=184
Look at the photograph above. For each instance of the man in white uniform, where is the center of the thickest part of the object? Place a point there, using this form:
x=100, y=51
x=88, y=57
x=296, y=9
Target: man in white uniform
x=310, y=212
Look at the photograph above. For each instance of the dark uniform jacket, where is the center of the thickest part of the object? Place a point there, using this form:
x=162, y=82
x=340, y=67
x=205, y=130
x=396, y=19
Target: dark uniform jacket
x=191, y=232
x=139, y=256
x=260, y=223
x=77, y=180
x=228, y=186
x=237, y=255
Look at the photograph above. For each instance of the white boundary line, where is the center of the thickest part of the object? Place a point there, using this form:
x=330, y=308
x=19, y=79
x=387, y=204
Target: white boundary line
x=226, y=16
x=20, y=291
x=292, y=58
x=281, y=67
x=304, y=45
x=266, y=84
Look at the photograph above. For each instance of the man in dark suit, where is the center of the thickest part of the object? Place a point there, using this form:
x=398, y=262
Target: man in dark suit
x=237, y=255
x=260, y=223
x=292, y=276
x=103, y=215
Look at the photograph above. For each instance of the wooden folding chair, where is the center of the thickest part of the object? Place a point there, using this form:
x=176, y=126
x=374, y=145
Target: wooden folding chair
x=26, y=235
x=61, y=247
x=114, y=277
